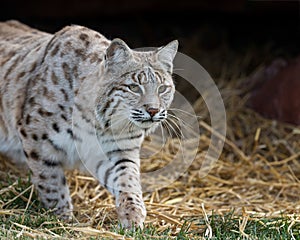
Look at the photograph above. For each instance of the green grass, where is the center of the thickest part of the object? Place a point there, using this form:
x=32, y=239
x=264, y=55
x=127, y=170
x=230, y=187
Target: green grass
x=20, y=220
x=227, y=227
x=222, y=228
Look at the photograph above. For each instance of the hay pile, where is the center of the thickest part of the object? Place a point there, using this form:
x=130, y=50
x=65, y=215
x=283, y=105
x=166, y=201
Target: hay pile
x=256, y=176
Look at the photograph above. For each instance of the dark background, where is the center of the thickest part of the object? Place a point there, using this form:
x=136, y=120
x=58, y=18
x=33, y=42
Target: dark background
x=214, y=32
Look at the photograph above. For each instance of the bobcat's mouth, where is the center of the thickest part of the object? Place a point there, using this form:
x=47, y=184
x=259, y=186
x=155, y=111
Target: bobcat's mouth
x=145, y=120
x=145, y=123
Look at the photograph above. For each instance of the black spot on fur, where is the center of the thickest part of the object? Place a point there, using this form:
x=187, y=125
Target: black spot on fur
x=83, y=36
x=69, y=131
x=63, y=116
x=31, y=101
x=41, y=112
x=51, y=200
x=34, y=155
x=63, y=180
x=61, y=107
x=55, y=127
x=54, y=78
x=80, y=53
x=48, y=114
x=67, y=73
x=23, y=132
x=55, y=50
x=43, y=177
x=50, y=163
x=27, y=120
x=45, y=136
x=21, y=74
x=34, y=137
x=66, y=97
x=44, y=113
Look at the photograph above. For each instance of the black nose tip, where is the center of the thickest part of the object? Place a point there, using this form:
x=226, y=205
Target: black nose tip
x=152, y=111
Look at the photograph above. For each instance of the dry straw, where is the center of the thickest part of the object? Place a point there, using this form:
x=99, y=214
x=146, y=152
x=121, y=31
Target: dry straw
x=257, y=176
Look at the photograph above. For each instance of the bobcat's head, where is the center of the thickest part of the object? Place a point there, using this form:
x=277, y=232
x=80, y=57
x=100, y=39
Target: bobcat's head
x=139, y=84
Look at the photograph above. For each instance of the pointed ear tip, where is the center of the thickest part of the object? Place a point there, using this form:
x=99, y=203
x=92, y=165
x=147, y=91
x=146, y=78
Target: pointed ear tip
x=174, y=43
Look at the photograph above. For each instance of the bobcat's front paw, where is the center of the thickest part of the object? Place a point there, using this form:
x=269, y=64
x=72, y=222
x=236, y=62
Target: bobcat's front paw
x=59, y=203
x=131, y=210
x=65, y=211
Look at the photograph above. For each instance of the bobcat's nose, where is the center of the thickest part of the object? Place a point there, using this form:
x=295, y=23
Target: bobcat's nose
x=152, y=111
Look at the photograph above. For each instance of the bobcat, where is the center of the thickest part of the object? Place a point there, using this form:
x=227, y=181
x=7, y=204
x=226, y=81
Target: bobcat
x=77, y=100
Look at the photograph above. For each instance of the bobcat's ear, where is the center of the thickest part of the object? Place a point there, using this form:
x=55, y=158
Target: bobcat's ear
x=117, y=52
x=167, y=54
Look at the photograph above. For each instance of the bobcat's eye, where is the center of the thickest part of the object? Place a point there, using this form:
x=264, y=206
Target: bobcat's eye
x=162, y=88
x=134, y=88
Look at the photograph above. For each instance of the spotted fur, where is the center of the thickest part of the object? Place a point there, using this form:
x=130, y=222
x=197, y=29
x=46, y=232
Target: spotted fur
x=77, y=100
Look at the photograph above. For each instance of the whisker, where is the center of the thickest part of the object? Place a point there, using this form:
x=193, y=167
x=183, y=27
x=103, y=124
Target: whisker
x=114, y=123
x=168, y=120
x=163, y=124
x=166, y=125
x=179, y=138
x=186, y=112
x=112, y=107
x=127, y=125
x=131, y=125
x=163, y=137
x=184, y=127
x=183, y=123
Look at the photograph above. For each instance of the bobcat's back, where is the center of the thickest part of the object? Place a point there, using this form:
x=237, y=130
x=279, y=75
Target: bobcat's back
x=39, y=76
x=21, y=50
